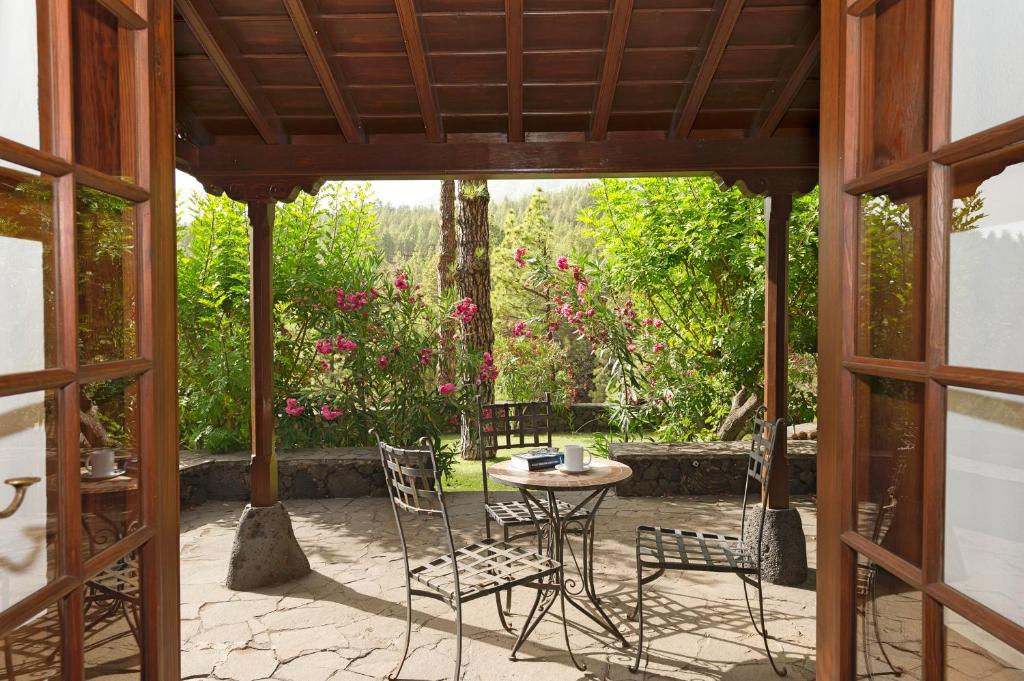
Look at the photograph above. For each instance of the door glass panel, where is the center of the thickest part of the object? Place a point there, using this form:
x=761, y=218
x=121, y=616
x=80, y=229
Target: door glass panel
x=888, y=624
x=19, y=73
x=987, y=54
x=34, y=648
x=986, y=275
x=891, y=279
x=97, y=88
x=888, y=464
x=28, y=448
x=106, y=277
x=113, y=604
x=110, y=463
x=984, y=541
x=973, y=653
x=26, y=272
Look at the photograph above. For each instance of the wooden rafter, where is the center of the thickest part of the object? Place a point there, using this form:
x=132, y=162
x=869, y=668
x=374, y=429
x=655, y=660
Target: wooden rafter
x=204, y=23
x=190, y=124
x=411, y=34
x=514, y=67
x=781, y=98
x=614, y=48
x=716, y=42
x=317, y=47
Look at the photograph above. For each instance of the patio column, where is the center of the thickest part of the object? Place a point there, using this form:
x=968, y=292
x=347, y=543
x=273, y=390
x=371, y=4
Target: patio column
x=784, y=554
x=265, y=551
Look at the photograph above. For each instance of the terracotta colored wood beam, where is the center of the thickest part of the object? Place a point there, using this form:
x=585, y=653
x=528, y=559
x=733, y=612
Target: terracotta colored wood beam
x=204, y=23
x=263, y=469
x=190, y=124
x=781, y=98
x=316, y=46
x=125, y=13
x=735, y=158
x=413, y=38
x=776, y=339
x=716, y=42
x=514, y=68
x=614, y=48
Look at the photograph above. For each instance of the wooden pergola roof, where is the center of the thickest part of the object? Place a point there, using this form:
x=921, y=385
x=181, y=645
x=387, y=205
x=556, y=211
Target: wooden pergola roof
x=291, y=92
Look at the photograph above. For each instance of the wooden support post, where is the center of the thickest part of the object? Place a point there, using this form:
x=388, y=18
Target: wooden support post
x=776, y=338
x=263, y=469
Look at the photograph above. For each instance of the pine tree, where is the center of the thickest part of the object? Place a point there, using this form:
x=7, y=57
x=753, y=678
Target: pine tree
x=513, y=302
x=446, y=275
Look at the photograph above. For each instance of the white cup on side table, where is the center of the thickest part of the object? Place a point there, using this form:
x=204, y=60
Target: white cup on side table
x=576, y=459
x=102, y=463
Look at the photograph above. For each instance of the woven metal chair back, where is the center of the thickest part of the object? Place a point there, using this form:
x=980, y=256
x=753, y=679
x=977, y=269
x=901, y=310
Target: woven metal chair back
x=412, y=479
x=511, y=425
x=759, y=465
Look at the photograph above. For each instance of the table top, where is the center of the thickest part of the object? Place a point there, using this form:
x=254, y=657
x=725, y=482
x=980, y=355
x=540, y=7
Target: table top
x=602, y=473
x=122, y=483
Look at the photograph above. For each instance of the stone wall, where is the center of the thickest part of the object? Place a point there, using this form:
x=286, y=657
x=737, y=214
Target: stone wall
x=302, y=474
x=704, y=467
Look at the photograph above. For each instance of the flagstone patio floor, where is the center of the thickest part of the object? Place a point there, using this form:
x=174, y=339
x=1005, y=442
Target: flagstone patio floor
x=344, y=621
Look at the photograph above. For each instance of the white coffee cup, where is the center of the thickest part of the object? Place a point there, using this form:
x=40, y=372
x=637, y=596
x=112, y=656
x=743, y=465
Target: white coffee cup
x=101, y=463
x=573, y=458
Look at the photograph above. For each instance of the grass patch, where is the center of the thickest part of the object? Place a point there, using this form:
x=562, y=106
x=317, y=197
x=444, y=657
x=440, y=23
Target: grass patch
x=466, y=474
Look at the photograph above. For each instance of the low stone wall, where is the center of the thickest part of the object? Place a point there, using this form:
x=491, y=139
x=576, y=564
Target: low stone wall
x=704, y=467
x=302, y=474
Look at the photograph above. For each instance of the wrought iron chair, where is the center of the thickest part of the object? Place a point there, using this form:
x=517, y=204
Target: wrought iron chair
x=662, y=549
x=462, y=574
x=518, y=425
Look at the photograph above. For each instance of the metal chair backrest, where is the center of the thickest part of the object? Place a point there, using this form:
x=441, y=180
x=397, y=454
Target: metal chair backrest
x=759, y=466
x=511, y=425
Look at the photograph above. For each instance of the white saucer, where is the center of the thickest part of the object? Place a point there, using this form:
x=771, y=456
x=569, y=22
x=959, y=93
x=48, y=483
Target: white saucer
x=99, y=478
x=562, y=469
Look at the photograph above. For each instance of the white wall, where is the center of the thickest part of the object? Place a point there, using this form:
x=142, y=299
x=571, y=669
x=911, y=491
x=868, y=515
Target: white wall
x=22, y=419
x=19, y=73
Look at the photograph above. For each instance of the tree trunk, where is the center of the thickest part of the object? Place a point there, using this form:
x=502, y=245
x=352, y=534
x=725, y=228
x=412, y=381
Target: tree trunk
x=744, y=404
x=446, y=280
x=473, y=279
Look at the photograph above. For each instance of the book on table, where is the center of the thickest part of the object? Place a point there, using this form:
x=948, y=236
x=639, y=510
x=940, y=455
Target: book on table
x=537, y=459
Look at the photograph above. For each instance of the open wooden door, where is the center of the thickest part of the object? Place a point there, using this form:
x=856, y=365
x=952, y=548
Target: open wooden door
x=88, y=427
x=921, y=463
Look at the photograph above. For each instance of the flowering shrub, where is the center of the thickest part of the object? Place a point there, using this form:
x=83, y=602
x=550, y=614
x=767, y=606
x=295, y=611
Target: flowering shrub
x=374, y=370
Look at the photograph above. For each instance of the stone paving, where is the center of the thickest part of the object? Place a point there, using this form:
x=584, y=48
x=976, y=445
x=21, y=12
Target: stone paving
x=344, y=622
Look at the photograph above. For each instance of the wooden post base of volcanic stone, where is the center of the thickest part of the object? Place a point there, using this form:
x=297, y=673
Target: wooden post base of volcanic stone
x=784, y=553
x=265, y=551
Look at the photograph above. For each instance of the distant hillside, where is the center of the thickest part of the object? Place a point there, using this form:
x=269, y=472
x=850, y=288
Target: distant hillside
x=408, y=234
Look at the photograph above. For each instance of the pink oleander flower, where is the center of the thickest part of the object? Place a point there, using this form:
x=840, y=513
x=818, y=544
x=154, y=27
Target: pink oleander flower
x=324, y=366
x=426, y=355
x=446, y=388
x=402, y=281
x=658, y=323
x=382, y=361
x=330, y=414
x=648, y=321
x=465, y=309
x=577, y=274
x=563, y=263
x=668, y=395
x=581, y=288
x=519, y=329
x=658, y=347
x=631, y=347
x=488, y=372
x=344, y=344
x=589, y=312
x=324, y=346
x=293, y=408
x=520, y=252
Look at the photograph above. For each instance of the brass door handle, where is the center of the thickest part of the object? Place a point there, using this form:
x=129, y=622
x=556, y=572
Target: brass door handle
x=19, y=485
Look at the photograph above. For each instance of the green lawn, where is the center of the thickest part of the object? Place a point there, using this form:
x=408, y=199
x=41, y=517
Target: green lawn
x=466, y=475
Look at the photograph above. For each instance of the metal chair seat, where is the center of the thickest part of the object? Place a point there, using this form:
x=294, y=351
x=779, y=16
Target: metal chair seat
x=485, y=567
x=515, y=513
x=659, y=547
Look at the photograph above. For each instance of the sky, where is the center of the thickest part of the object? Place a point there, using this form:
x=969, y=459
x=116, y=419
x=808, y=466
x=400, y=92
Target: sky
x=422, y=192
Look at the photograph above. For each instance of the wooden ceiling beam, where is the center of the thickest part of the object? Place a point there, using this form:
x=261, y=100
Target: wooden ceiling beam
x=716, y=40
x=413, y=38
x=189, y=123
x=614, y=49
x=514, y=68
x=316, y=46
x=741, y=158
x=204, y=23
x=780, y=98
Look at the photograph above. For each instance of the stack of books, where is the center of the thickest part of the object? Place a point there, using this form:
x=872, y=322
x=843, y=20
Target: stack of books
x=537, y=459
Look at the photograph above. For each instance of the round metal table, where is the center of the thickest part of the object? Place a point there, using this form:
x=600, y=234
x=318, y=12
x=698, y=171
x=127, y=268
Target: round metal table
x=554, y=525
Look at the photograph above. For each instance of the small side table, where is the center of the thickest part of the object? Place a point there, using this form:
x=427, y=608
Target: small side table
x=602, y=476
